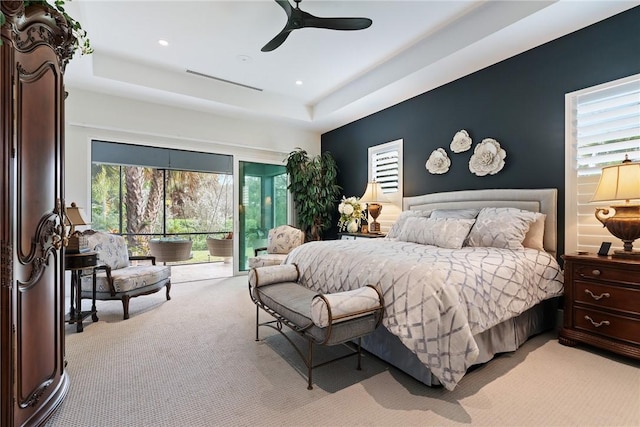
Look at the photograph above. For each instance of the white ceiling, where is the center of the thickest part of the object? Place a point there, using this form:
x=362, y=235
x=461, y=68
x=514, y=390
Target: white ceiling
x=412, y=47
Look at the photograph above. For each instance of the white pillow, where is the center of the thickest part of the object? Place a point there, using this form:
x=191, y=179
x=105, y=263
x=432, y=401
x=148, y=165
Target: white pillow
x=397, y=226
x=501, y=228
x=534, y=238
x=469, y=213
x=442, y=232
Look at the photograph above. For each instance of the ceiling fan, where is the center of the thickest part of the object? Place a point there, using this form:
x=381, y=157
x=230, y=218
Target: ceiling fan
x=297, y=19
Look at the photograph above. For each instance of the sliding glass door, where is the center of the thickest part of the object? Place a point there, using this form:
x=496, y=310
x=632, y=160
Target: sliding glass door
x=263, y=205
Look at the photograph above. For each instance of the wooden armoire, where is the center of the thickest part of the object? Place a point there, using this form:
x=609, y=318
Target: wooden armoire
x=36, y=45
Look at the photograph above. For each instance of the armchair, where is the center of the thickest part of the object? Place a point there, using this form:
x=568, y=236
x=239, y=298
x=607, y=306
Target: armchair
x=280, y=241
x=116, y=278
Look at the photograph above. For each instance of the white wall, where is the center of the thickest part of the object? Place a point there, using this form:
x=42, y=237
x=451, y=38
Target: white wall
x=92, y=115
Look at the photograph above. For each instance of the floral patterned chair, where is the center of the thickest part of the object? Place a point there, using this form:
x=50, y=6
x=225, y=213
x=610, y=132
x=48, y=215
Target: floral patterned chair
x=116, y=278
x=280, y=241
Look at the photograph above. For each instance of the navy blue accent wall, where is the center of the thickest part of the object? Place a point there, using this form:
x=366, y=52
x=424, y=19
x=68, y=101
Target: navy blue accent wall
x=520, y=102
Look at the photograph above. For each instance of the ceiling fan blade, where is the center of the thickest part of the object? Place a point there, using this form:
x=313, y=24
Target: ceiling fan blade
x=286, y=6
x=346, y=24
x=276, y=41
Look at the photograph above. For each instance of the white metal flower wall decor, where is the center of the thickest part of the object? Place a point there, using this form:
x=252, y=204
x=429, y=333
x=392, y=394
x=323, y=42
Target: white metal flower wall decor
x=438, y=162
x=461, y=141
x=488, y=158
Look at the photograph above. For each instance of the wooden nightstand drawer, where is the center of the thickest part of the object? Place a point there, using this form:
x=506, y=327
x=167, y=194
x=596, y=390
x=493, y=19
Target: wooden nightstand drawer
x=608, y=325
x=604, y=273
x=602, y=303
x=613, y=297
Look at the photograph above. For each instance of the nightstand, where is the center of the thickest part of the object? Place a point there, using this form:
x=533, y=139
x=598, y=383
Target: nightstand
x=76, y=263
x=602, y=303
x=356, y=236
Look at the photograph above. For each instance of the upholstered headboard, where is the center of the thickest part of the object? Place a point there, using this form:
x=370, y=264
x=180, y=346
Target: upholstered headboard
x=536, y=200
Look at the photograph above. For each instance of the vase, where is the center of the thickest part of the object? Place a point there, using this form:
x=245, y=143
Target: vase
x=352, y=227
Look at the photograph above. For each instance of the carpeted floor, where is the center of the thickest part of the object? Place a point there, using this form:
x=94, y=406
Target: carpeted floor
x=193, y=361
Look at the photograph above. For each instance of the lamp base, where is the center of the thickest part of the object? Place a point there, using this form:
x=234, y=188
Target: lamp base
x=626, y=254
x=77, y=244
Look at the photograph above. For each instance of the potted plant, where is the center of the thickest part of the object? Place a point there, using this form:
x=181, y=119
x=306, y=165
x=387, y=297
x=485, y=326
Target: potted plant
x=312, y=182
x=81, y=41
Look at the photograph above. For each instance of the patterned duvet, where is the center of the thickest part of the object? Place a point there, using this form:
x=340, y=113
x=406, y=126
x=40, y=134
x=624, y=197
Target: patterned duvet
x=435, y=299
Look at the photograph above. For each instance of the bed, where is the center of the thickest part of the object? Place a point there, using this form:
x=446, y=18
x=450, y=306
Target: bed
x=465, y=275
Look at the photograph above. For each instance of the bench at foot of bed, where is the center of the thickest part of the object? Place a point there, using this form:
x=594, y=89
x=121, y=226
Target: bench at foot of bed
x=325, y=319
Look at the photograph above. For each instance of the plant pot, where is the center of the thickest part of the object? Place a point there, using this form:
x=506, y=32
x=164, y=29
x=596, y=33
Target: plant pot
x=170, y=250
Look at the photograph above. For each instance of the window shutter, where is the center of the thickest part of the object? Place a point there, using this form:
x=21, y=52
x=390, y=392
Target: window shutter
x=607, y=126
x=385, y=170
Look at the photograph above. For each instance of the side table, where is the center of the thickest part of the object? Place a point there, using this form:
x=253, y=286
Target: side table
x=76, y=263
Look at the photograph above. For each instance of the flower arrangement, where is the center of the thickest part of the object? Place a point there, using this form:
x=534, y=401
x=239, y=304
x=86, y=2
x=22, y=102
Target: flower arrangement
x=351, y=214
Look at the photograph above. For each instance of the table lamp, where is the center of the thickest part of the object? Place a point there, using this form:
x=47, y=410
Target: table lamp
x=74, y=216
x=620, y=184
x=374, y=197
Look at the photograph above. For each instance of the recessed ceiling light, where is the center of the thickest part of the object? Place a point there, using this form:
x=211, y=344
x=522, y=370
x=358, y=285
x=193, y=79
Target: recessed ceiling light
x=163, y=43
x=299, y=82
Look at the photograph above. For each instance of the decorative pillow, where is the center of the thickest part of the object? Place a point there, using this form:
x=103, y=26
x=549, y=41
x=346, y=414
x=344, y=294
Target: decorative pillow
x=442, y=232
x=470, y=213
x=271, y=274
x=534, y=238
x=397, y=226
x=501, y=228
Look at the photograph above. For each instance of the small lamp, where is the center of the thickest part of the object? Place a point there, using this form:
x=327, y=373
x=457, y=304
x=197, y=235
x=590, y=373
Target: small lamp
x=617, y=183
x=75, y=216
x=373, y=197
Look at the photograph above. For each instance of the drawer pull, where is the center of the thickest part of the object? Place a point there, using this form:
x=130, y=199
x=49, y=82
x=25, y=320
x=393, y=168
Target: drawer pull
x=595, y=272
x=597, y=297
x=597, y=325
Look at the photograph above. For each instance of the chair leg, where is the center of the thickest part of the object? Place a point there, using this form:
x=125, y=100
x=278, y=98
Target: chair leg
x=310, y=364
x=125, y=306
x=257, y=322
x=168, y=289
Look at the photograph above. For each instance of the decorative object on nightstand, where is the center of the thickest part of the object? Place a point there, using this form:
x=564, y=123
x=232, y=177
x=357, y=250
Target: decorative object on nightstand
x=374, y=197
x=602, y=303
x=617, y=183
x=74, y=216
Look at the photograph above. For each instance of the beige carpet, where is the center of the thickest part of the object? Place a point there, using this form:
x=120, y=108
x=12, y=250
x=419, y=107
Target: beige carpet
x=193, y=361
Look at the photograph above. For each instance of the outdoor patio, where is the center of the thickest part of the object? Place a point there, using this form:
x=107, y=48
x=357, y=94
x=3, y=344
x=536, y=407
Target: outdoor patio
x=193, y=272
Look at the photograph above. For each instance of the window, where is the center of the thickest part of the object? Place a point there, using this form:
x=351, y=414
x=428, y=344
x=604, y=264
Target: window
x=385, y=167
x=148, y=192
x=603, y=124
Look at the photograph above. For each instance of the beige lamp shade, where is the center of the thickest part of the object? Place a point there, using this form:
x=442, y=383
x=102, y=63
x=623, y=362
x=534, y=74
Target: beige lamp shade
x=75, y=216
x=373, y=193
x=619, y=182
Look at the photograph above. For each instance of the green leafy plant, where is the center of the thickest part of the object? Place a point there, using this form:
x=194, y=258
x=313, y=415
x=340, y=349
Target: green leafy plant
x=82, y=42
x=312, y=182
